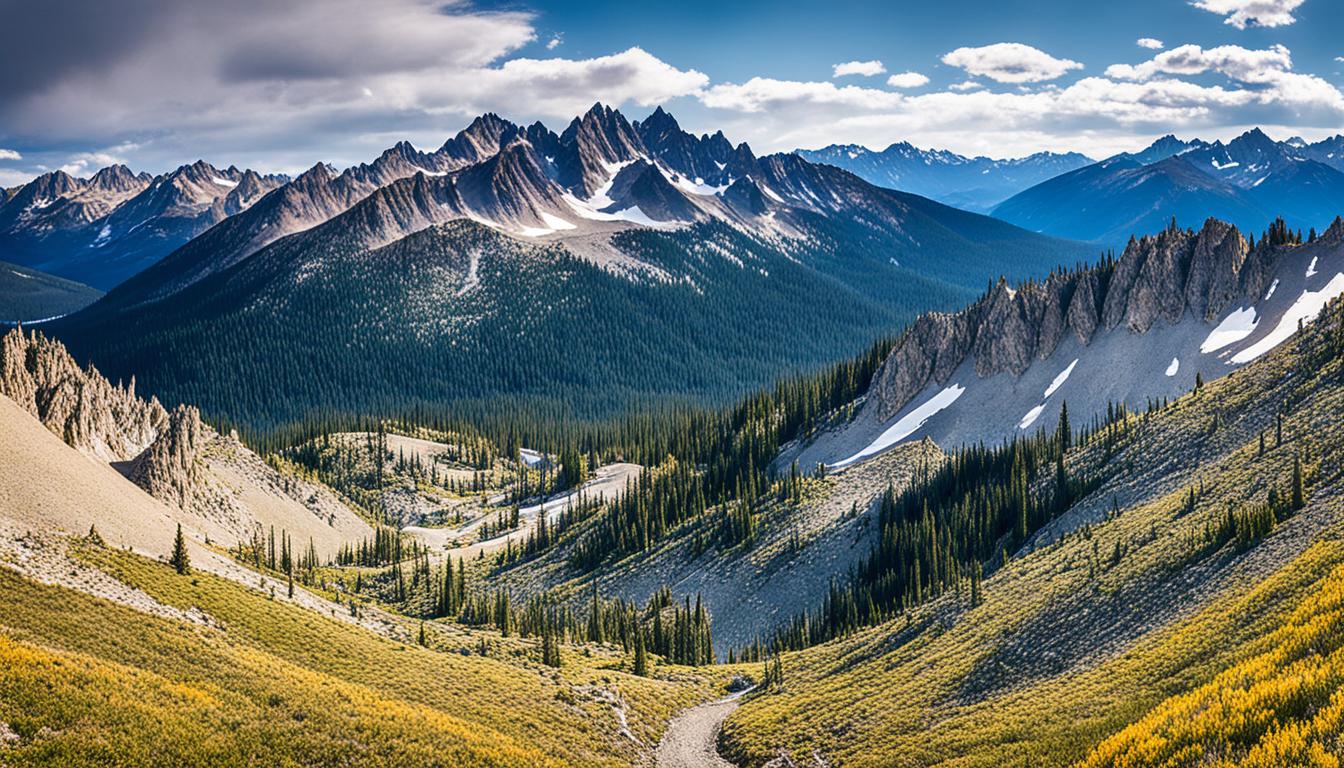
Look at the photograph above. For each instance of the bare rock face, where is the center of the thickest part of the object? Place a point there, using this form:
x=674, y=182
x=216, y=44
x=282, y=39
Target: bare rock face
x=170, y=468
x=1059, y=293
x=1158, y=290
x=1157, y=278
x=1006, y=340
x=1085, y=307
x=931, y=349
x=80, y=406
x=1219, y=255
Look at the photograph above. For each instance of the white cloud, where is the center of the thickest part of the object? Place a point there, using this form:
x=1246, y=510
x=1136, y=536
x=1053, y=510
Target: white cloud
x=279, y=94
x=1010, y=63
x=907, y=80
x=966, y=85
x=1098, y=115
x=565, y=87
x=1269, y=69
x=1252, y=13
x=9, y=154
x=1244, y=64
x=1150, y=42
x=763, y=94
x=84, y=162
x=864, y=68
x=555, y=41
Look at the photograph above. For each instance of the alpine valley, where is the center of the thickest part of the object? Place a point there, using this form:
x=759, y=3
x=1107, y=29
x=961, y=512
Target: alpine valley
x=626, y=445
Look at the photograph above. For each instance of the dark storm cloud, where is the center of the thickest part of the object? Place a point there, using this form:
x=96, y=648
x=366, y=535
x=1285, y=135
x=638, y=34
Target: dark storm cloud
x=43, y=42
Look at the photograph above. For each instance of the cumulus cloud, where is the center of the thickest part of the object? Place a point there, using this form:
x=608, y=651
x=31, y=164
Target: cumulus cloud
x=1252, y=13
x=1270, y=69
x=1010, y=63
x=1099, y=115
x=185, y=79
x=907, y=80
x=1150, y=42
x=555, y=41
x=84, y=163
x=864, y=68
x=9, y=154
x=566, y=87
x=1244, y=64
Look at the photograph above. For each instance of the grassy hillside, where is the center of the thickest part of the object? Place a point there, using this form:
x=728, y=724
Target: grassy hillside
x=1177, y=569
x=26, y=294
x=264, y=682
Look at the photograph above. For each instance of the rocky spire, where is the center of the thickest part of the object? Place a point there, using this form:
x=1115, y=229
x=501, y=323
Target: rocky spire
x=170, y=468
x=80, y=406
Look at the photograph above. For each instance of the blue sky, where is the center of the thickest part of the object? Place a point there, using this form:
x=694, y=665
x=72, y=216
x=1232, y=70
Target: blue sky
x=156, y=83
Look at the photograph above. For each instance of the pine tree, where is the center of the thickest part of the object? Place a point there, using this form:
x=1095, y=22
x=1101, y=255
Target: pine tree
x=180, y=561
x=1298, y=498
x=641, y=666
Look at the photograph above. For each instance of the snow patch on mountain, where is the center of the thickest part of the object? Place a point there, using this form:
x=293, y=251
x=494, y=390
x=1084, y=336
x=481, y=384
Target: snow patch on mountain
x=1060, y=379
x=907, y=425
x=1030, y=418
x=1305, y=309
x=1235, y=327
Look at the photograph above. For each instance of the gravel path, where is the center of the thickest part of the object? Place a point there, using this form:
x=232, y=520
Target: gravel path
x=690, y=741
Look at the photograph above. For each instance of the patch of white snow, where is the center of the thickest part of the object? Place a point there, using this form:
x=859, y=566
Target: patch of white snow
x=1060, y=379
x=907, y=424
x=1305, y=309
x=1174, y=367
x=555, y=222
x=1235, y=327
x=1031, y=417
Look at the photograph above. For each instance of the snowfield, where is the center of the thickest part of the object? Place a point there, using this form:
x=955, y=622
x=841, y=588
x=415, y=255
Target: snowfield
x=906, y=425
x=1060, y=379
x=1174, y=367
x=1305, y=309
x=1235, y=327
x=1031, y=417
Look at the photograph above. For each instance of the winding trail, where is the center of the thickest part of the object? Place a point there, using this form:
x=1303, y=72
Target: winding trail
x=691, y=738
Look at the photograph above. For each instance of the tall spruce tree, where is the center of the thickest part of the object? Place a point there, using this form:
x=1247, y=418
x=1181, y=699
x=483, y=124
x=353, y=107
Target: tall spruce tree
x=180, y=560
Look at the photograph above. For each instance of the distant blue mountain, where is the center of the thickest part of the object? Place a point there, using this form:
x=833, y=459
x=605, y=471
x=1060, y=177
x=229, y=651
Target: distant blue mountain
x=1248, y=181
x=970, y=183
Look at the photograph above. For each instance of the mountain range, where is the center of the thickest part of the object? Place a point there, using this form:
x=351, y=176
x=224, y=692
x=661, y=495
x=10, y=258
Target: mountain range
x=1247, y=181
x=103, y=229
x=666, y=262
x=971, y=183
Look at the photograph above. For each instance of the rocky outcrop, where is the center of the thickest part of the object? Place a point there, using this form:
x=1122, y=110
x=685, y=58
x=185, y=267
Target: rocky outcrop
x=170, y=468
x=79, y=405
x=1157, y=279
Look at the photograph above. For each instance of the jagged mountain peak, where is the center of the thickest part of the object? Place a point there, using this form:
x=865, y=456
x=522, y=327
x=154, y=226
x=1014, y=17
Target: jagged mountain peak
x=115, y=177
x=480, y=139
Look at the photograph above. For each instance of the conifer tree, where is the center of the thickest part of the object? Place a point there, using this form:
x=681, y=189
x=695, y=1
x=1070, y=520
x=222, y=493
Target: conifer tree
x=180, y=560
x=1298, y=498
x=641, y=666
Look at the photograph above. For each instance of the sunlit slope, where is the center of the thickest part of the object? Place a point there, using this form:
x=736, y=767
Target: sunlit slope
x=1133, y=596
x=263, y=682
